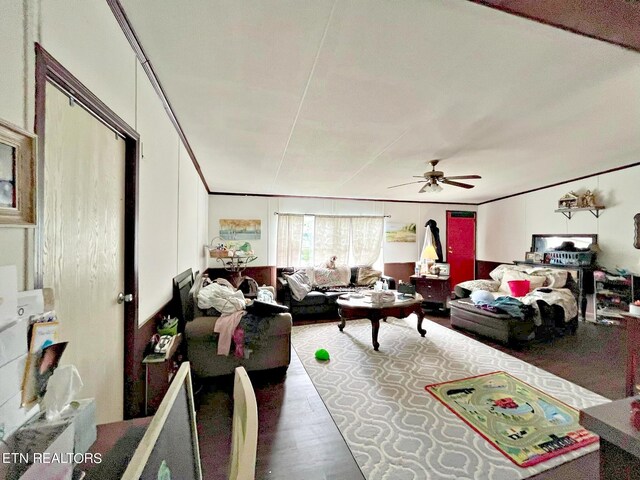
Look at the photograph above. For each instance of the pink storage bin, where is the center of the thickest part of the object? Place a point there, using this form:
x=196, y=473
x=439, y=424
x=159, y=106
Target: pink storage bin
x=519, y=288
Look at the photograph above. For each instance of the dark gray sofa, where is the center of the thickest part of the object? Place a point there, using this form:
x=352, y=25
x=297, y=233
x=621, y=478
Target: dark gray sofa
x=318, y=302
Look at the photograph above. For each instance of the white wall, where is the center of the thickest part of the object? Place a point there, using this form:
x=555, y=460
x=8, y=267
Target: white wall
x=263, y=208
x=505, y=227
x=86, y=39
x=17, y=75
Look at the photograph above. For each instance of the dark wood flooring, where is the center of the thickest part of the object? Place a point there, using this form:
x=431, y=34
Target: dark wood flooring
x=594, y=358
x=298, y=438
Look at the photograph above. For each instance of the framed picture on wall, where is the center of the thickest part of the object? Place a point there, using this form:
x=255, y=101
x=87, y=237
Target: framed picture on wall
x=17, y=175
x=236, y=229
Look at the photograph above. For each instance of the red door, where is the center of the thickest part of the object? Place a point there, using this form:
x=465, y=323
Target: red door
x=461, y=246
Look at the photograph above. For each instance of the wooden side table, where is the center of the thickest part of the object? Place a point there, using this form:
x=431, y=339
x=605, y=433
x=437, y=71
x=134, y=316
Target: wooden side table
x=434, y=289
x=619, y=441
x=158, y=373
x=632, y=325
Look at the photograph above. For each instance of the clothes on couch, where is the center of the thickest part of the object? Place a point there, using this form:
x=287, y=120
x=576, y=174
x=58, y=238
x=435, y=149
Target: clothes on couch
x=513, y=307
x=254, y=327
x=299, y=284
x=224, y=298
x=509, y=305
x=553, y=296
x=225, y=327
x=332, y=277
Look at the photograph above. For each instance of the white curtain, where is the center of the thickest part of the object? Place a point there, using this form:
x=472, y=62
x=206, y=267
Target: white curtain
x=331, y=237
x=366, y=239
x=289, y=240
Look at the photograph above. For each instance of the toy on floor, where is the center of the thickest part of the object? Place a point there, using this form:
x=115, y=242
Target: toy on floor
x=322, y=354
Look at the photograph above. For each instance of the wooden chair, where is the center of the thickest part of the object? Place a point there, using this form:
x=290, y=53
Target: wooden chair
x=244, y=433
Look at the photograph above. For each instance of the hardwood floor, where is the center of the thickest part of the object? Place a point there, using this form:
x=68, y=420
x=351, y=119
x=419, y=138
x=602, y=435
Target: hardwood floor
x=299, y=439
x=595, y=358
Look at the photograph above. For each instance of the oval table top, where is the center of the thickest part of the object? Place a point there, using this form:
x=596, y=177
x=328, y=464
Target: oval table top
x=401, y=300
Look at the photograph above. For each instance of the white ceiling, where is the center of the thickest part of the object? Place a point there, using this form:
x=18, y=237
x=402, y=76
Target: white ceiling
x=345, y=98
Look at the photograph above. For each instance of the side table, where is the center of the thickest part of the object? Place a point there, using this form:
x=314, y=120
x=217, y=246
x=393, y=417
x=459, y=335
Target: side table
x=434, y=289
x=158, y=373
x=619, y=441
x=631, y=323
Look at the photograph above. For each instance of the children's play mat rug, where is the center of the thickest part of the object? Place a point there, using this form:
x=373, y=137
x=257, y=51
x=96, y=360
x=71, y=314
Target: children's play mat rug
x=525, y=424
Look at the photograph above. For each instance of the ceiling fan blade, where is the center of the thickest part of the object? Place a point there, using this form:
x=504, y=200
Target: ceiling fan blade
x=403, y=184
x=463, y=177
x=423, y=189
x=457, y=184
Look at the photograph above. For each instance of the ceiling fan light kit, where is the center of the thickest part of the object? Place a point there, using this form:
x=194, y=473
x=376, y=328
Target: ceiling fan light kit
x=434, y=178
x=431, y=188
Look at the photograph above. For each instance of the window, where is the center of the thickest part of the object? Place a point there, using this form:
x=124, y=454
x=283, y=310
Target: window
x=306, y=252
x=308, y=240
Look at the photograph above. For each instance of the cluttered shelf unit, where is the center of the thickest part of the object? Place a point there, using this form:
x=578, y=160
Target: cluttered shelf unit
x=614, y=293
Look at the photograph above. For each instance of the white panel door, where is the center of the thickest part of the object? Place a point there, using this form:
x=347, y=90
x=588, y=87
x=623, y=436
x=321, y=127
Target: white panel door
x=83, y=246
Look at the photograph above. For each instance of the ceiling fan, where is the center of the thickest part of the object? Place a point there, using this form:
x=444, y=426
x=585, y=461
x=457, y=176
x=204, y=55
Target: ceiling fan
x=434, y=178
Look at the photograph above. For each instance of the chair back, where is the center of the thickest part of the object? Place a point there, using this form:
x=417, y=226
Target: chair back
x=244, y=430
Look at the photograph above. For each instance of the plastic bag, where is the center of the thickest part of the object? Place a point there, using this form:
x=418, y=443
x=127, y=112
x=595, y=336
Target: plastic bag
x=62, y=389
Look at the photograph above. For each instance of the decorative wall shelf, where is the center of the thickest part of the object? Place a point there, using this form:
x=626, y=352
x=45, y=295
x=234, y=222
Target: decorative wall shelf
x=568, y=212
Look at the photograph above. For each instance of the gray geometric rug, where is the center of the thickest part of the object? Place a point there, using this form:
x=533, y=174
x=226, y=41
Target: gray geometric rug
x=395, y=429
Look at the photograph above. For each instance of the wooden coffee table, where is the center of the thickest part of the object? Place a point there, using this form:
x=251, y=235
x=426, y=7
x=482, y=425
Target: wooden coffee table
x=353, y=308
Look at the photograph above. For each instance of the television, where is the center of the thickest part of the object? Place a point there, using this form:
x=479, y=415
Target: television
x=169, y=447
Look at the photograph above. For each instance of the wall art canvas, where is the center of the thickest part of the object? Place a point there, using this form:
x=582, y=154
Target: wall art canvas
x=399, y=232
x=233, y=229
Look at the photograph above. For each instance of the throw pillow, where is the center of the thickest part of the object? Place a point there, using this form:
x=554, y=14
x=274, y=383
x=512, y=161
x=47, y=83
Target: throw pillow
x=473, y=285
x=499, y=271
x=367, y=276
x=299, y=285
x=535, y=281
x=556, y=279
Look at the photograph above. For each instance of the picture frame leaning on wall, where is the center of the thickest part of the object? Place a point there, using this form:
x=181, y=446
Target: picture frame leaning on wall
x=17, y=176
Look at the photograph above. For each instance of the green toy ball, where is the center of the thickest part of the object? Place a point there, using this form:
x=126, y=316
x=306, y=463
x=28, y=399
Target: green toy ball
x=322, y=354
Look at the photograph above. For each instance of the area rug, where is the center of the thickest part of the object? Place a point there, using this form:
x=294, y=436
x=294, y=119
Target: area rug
x=525, y=424
x=397, y=431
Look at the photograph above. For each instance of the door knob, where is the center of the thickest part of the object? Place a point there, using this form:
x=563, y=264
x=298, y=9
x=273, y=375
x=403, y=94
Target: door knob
x=449, y=250
x=122, y=298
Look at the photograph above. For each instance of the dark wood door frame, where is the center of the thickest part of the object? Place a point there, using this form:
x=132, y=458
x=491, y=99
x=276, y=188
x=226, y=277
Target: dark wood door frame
x=48, y=69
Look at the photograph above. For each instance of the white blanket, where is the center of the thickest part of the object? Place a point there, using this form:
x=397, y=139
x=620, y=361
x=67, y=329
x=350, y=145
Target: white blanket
x=332, y=277
x=557, y=296
x=221, y=297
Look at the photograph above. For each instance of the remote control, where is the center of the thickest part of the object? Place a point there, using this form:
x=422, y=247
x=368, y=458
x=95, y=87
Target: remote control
x=163, y=344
